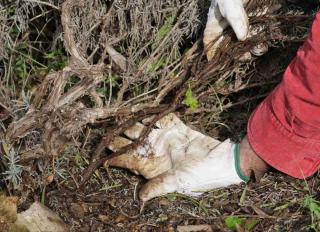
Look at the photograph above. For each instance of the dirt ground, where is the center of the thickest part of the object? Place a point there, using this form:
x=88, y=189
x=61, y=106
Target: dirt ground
x=275, y=204
x=109, y=202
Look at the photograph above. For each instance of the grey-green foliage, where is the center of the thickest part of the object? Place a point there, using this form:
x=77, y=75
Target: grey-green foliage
x=15, y=17
x=3, y=31
x=14, y=170
x=135, y=28
x=153, y=21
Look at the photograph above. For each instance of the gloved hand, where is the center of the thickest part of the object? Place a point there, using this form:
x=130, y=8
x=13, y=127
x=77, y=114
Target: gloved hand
x=222, y=13
x=179, y=159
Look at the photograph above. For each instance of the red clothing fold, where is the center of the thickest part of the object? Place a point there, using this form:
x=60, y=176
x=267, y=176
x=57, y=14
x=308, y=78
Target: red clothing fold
x=285, y=128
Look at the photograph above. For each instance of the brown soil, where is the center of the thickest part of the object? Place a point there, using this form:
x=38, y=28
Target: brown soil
x=109, y=202
x=275, y=204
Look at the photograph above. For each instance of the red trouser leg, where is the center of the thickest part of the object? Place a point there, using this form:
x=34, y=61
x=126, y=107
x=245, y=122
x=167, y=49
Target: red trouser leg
x=285, y=128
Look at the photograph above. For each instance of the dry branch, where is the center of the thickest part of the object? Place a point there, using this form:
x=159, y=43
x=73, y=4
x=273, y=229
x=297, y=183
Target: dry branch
x=150, y=76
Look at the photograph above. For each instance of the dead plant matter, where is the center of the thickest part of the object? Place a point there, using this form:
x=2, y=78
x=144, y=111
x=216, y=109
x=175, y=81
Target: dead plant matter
x=127, y=60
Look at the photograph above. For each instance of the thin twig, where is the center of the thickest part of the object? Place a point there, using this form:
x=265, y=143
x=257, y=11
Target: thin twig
x=43, y=3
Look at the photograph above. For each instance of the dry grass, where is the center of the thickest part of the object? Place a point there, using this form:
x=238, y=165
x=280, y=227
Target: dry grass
x=76, y=73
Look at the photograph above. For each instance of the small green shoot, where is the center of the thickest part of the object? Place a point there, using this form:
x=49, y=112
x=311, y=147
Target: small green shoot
x=190, y=101
x=20, y=67
x=233, y=222
x=314, y=208
x=158, y=64
x=57, y=60
x=164, y=30
x=79, y=160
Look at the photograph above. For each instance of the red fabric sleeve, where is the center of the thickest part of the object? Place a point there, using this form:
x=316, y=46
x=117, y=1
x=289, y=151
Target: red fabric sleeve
x=285, y=129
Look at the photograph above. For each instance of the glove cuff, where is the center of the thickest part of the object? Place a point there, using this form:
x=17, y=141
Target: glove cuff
x=237, y=164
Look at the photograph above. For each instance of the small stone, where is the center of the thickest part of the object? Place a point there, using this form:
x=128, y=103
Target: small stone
x=194, y=228
x=39, y=218
x=77, y=210
x=164, y=202
x=162, y=218
x=103, y=218
x=50, y=179
x=121, y=219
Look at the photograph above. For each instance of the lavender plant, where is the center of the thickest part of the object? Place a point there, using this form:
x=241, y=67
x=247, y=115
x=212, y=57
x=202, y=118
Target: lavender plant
x=14, y=170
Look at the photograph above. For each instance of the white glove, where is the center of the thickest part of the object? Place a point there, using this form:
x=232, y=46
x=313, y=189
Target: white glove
x=179, y=159
x=222, y=13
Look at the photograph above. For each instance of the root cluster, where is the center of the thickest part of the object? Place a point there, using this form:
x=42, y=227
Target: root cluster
x=129, y=60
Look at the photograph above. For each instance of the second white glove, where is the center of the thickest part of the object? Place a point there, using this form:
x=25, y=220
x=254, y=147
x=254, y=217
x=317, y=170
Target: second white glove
x=221, y=14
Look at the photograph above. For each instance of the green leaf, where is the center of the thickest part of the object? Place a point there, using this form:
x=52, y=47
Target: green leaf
x=314, y=208
x=53, y=54
x=232, y=222
x=158, y=64
x=313, y=205
x=190, y=101
x=20, y=67
x=57, y=60
x=166, y=28
x=163, y=31
x=171, y=197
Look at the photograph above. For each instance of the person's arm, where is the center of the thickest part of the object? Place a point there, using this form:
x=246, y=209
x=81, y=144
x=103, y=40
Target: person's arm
x=285, y=129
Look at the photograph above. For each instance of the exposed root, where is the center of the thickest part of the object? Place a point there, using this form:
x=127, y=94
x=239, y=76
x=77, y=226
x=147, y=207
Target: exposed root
x=140, y=77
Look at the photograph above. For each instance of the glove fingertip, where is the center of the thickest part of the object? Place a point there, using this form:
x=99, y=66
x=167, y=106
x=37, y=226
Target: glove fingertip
x=147, y=192
x=233, y=11
x=241, y=29
x=158, y=186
